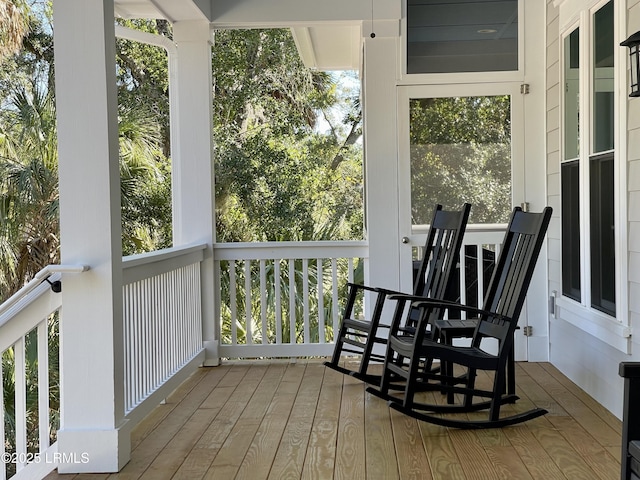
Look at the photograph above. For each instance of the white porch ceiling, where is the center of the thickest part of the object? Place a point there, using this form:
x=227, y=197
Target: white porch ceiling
x=172, y=10
x=330, y=47
x=328, y=38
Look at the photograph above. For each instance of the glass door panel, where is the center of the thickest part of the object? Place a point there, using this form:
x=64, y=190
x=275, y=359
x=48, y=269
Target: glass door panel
x=460, y=151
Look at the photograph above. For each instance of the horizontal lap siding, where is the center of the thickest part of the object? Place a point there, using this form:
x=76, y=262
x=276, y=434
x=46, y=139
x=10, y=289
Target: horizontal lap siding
x=553, y=144
x=633, y=183
x=573, y=350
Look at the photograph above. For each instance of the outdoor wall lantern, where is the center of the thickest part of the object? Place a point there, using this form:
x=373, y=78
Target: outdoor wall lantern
x=633, y=42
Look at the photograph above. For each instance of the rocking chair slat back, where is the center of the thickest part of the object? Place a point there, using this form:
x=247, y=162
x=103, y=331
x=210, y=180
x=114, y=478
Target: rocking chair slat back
x=440, y=253
x=512, y=274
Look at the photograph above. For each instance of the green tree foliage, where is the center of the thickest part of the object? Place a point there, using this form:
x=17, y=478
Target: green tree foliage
x=277, y=176
x=145, y=167
x=29, y=226
x=14, y=23
x=29, y=231
x=33, y=62
x=142, y=75
x=461, y=152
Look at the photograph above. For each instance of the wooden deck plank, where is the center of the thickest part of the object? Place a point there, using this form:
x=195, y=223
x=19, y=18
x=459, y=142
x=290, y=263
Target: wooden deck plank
x=289, y=461
x=444, y=461
x=189, y=398
x=264, y=447
x=560, y=450
x=413, y=463
x=574, y=406
x=280, y=420
x=380, y=463
x=321, y=450
x=231, y=455
x=350, y=454
x=532, y=454
x=608, y=436
x=166, y=464
x=593, y=454
x=148, y=424
x=473, y=457
x=236, y=389
x=598, y=408
x=507, y=463
x=534, y=393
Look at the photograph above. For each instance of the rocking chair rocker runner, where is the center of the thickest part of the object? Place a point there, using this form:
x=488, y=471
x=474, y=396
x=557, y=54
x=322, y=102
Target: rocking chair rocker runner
x=497, y=319
x=431, y=279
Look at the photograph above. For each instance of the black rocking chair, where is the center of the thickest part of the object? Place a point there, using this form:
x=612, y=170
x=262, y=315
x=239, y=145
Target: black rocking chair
x=431, y=278
x=407, y=354
x=630, y=461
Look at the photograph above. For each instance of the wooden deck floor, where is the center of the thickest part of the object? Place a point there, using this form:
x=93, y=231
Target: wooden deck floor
x=282, y=420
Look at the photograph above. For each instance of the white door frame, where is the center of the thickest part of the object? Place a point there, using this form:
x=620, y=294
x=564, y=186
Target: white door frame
x=518, y=192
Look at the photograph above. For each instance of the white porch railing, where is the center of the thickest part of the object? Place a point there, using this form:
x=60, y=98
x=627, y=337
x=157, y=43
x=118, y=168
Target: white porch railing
x=162, y=345
x=282, y=299
x=285, y=299
x=162, y=324
x=29, y=360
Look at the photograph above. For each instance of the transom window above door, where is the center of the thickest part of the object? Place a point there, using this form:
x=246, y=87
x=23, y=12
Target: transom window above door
x=447, y=36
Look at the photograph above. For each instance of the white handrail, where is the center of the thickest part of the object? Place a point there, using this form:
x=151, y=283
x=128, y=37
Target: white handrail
x=471, y=228
x=147, y=265
x=39, y=277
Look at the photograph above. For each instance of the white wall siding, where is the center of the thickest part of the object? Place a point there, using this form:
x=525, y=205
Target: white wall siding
x=633, y=183
x=590, y=356
x=588, y=362
x=553, y=146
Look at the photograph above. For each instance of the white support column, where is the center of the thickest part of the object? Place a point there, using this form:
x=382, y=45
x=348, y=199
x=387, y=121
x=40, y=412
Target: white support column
x=381, y=150
x=535, y=174
x=192, y=159
x=93, y=436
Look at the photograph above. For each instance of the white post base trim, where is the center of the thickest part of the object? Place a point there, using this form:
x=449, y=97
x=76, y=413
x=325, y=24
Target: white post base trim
x=211, y=354
x=93, y=451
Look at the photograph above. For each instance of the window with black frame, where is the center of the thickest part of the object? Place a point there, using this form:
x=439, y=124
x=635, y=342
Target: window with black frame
x=570, y=171
x=601, y=163
x=603, y=280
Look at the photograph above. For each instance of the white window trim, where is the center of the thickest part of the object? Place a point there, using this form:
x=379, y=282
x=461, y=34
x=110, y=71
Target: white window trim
x=594, y=322
x=614, y=331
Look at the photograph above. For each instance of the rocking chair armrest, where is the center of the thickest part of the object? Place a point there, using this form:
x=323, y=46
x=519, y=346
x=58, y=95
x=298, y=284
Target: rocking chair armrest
x=449, y=304
x=466, y=308
x=360, y=286
x=425, y=300
x=383, y=290
x=388, y=291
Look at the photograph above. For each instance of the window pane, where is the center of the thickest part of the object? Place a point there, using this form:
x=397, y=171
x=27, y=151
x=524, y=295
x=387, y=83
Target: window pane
x=570, y=191
x=603, y=82
x=460, y=150
x=603, y=280
x=572, y=95
x=462, y=36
